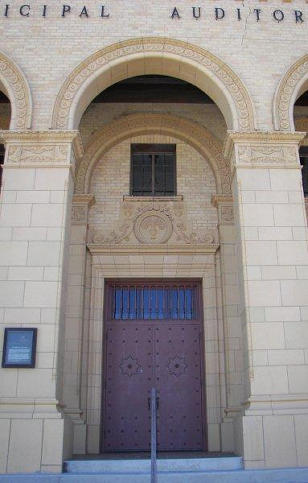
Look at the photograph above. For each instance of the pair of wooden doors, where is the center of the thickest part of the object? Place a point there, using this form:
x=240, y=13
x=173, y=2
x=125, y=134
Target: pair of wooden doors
x=153, y=338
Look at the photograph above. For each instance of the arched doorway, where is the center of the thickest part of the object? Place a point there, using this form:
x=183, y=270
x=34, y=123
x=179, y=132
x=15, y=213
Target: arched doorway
x=118, y=248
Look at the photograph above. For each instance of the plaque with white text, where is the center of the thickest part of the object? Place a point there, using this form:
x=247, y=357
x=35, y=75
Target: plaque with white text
x=19, y=347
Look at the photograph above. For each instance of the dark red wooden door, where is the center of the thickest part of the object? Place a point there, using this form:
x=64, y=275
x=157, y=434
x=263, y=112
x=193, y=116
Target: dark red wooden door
x=153, y=339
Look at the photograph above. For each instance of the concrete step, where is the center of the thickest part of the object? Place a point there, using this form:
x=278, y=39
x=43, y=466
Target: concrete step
x=144, y=465
x=285, y=475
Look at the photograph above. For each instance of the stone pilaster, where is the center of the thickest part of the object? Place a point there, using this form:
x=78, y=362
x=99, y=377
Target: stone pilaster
x=35, y=216
x=76, y=356
x=272, y=255
x=230, y=314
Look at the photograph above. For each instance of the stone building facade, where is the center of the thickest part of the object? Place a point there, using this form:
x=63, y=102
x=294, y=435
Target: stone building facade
x=236, y=224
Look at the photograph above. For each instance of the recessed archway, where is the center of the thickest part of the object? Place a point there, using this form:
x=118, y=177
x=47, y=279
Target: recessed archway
x=138, y=124
x=153, y=56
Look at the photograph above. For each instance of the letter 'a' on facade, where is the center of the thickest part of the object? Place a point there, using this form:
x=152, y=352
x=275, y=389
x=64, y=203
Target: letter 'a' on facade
x=153, y=234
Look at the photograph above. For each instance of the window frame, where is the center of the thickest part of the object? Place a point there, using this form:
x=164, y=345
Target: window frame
x=153, y=149
x=303, y=154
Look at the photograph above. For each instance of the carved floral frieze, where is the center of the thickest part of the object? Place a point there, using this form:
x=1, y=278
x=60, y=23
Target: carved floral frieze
x=38, y=154
x=165, y=222
x=263, y=155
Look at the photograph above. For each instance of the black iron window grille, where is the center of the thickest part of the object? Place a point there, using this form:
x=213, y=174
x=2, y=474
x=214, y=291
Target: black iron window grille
x=153, y=169
x=303, y=156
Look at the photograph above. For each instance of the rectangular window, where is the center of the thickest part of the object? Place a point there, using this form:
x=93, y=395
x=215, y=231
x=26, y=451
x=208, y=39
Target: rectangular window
x=153, y=169
x=303, y=156
x=2, y=153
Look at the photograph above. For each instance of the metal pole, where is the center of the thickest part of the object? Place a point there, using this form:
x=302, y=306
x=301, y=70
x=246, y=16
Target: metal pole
x=153, y=436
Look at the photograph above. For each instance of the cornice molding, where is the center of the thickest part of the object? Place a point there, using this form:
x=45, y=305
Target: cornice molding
x=221, y=199
x=96, y=249
x=84, y=199
x=52, y=136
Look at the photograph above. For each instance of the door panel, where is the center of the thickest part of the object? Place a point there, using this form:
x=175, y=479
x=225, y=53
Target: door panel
x=178, y=380
x=162, y=353
x=129, y=376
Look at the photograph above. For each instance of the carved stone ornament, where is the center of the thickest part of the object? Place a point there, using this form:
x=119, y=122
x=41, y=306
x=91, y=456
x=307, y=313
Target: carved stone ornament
x=227, y=215
x=79, y=214
x=263, y=155
x=18, y=92
x=130, y=366
x=263, y=149
x=162, y=223
x=37, y=154
x=153, y=226
x=211, y=65
x=295, y=76
x=177, y=366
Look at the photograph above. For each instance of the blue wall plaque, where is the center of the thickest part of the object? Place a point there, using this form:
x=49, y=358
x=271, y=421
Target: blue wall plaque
x=19, y=347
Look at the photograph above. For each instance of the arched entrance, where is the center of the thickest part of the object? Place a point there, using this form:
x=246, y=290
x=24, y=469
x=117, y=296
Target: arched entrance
x=111, y=227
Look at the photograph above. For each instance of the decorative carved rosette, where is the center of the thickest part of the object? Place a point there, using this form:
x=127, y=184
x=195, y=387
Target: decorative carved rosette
x=153, y=226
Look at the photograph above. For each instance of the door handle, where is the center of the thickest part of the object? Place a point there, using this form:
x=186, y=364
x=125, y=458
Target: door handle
x=149, y=403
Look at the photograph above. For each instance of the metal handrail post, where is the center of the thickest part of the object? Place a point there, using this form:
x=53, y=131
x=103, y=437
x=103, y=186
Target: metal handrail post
x=153, y=436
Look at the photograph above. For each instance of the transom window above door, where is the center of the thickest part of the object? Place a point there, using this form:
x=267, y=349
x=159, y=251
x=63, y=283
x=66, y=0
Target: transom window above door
x=153, y=301
x=153, y=169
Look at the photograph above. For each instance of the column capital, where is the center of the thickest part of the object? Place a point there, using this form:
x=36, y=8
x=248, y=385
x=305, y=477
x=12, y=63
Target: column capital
x=260, y=149
x=41, y=148
x=221, y=200
x=224, y=205
x=80, y=207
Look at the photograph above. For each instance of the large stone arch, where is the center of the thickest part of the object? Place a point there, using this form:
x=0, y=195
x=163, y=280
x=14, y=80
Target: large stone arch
x=292, y=85
x=153, y=56
x=14, y=84
x=139, y=124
